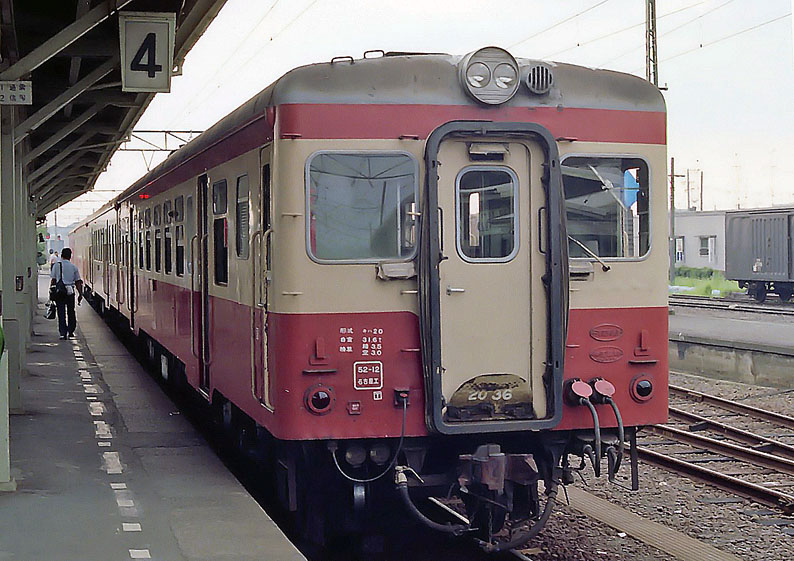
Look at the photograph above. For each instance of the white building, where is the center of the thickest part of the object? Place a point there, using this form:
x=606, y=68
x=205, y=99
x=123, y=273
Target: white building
x=700, y=239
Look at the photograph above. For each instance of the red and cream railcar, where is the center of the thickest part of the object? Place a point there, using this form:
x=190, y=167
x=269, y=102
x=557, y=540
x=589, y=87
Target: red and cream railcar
x=468, y=252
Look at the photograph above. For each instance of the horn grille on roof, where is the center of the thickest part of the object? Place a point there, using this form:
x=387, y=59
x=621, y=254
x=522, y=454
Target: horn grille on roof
x=539, y=79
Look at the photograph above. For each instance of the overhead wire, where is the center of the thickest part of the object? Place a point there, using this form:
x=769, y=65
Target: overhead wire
x=566, y=20
x=257, y=52
x=731, y=36
x=240, y=43
x=634, y=48
x=613, y=33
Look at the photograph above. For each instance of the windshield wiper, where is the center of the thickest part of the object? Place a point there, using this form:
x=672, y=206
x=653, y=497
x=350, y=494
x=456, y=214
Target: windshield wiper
x=591, y=253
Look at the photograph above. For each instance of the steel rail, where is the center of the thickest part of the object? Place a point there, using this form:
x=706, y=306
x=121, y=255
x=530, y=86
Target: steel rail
x=734, y=406
x=746, y=489
x=750, y=455
x=763, y=443
x=686, y=301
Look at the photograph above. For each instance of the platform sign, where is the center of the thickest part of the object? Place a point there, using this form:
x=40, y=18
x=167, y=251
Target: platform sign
x=147, y=50
x=18, y=92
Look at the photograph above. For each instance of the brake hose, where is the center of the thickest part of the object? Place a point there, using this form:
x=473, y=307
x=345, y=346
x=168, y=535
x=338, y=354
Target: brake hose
x=391, y=464
x=621, y=431
x=597, y=430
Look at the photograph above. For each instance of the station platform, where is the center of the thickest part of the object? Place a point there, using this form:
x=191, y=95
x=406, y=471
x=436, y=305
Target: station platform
x=107, y=468
x=737, y=347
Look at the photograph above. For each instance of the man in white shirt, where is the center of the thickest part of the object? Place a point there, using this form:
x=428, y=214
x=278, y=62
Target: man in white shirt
x=64, y=270
x=53, y=259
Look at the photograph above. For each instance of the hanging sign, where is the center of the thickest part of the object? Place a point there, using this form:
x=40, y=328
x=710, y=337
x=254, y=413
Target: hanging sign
x=147, y=50
x=18, y=92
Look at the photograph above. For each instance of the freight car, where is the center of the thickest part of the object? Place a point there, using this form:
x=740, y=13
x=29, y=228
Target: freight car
x=758, y=251
x=420, y=276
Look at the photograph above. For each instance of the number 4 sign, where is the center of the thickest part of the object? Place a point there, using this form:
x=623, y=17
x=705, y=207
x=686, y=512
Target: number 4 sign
x=147, y=50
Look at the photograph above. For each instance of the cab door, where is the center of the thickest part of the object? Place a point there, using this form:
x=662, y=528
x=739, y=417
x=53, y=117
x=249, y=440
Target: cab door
x=261, y=270
x=200, y=283
x=491, y=295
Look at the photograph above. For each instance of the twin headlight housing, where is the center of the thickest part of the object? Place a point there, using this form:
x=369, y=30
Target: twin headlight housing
x=491, y=75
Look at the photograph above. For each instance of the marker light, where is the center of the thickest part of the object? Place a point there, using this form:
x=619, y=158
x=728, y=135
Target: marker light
x=490, y=75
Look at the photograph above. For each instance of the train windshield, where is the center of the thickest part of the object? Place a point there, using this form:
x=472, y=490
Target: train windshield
x=361, y=206
x=606, y=202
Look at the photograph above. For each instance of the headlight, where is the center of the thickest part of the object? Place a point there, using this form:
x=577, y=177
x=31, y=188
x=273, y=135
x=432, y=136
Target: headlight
x=379, y=453
x=490, y=75
x=355, y=455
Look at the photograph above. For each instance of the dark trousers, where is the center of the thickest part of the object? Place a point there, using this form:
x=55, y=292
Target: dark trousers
x=65, y=308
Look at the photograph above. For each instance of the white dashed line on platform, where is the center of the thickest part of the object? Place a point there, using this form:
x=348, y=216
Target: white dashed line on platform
x=117, y=486
x=111, y=463
x=102, y=429
x=140, y=554
x=131, y=527
x=91, y=388
x=97, y=408
x=104, y=444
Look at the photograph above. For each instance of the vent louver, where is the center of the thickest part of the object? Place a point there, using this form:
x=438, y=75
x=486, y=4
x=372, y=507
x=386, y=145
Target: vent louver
x=539, y=79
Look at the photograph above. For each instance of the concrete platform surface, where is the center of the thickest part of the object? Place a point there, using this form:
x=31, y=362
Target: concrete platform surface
x=108, y=469
x=741, y=331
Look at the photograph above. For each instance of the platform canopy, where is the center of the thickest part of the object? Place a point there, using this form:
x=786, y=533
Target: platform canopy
x=69, y=50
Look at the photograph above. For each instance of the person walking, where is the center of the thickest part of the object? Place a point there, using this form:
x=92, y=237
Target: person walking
x=64, y=270
x=53, y=259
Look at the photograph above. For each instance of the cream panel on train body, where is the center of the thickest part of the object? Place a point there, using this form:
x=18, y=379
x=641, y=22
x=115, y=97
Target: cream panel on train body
x=630, y=282
x=300, y=285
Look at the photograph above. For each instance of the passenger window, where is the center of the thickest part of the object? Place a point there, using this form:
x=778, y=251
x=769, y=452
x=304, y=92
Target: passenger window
x=147, y=218
x=360, y=206
x=158, y=239
x=221, y=250
x=219, y=197
x=148, y=250
x=157, y=218
x=179, y=209
x=607, y=206
x=242, y=218
x=220, y=232
x=190, y=231
x=167, y=250
x=140, y=250
x=180, y=250
x=167, y=214
x=487, y=214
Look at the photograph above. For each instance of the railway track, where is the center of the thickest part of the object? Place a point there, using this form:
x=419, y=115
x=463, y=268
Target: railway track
x=705, y=302
x=736, y=459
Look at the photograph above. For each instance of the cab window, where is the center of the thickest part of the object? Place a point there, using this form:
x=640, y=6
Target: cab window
x=607, y=206
x=361, y=206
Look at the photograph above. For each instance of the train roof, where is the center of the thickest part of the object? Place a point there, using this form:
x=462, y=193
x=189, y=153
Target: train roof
x=410, y=79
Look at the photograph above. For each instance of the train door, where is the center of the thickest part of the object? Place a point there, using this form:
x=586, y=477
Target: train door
x=106, y=262
x=260, y=261
x=132, y=264
x=490, y=311
x=200, y=276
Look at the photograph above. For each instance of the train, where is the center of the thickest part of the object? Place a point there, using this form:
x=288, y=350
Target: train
x=760, y=251
x=415, y=279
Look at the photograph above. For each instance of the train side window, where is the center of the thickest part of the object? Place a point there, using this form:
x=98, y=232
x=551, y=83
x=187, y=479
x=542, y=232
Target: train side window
x=220, y=233
x=607, y=206
x=167, y=250
x=180, y=250
x=219, y=197
x=140, y=250
x=179, y=209
x=167, y=213
x=487, y=214
x=147, y=218
x=190, y=232
x=158, y=243
x=157, y=218
x=148, y=250
x=242, y=218
x=359, y=205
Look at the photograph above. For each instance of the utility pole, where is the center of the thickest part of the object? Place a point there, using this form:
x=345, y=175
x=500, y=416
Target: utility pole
x=672, y=219
x=651, y=54
x=701, y=190
x=688, y=197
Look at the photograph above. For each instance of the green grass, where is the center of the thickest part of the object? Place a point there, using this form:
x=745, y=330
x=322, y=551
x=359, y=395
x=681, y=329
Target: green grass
x=704, y=287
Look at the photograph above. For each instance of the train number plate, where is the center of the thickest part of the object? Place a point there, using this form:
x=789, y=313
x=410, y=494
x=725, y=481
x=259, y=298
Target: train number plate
x=368, y=375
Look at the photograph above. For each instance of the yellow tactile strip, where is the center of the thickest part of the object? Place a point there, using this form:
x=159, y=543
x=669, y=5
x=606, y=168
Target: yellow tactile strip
x=652, y=533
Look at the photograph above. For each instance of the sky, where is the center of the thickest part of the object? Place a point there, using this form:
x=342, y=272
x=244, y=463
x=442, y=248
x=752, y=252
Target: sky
x=727, y=66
